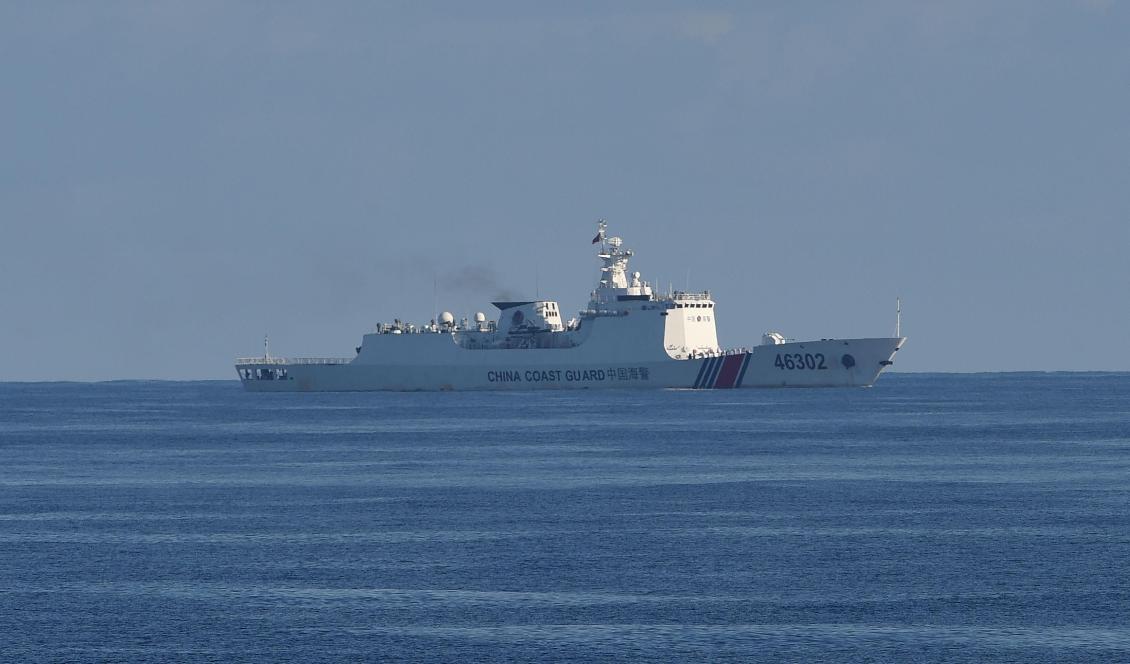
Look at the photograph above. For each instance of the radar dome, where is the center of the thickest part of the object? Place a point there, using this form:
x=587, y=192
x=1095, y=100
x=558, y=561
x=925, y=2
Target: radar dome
x=446, y=318
x=480, y=317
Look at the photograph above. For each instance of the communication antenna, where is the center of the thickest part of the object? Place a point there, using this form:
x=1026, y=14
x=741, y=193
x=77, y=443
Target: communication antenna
x=266, y=347
x=898, y=316
x=400, y=291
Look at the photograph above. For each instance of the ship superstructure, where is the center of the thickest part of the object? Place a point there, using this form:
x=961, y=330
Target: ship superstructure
x=629, y=335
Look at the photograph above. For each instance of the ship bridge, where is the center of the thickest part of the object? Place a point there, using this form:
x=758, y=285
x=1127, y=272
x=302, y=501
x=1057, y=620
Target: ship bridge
x=688, y=318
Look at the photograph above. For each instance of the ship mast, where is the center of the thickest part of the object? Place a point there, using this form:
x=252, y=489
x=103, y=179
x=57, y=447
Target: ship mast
x=614, y=279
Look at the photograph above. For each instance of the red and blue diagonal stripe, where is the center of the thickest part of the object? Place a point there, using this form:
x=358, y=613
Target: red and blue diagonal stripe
x=722, y=372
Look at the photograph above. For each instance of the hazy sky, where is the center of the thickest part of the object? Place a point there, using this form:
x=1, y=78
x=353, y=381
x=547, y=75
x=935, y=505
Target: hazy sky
x=179, y=178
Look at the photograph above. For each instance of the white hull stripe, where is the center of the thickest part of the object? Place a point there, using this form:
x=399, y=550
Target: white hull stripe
x=712, y=380
x=701, y=372
x=741, y=374
x=722, y=372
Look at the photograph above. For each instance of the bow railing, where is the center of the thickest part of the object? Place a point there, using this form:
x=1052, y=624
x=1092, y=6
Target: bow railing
x=293, y=360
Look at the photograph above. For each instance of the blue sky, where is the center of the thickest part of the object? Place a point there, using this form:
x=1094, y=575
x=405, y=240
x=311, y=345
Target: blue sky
x=179, y=178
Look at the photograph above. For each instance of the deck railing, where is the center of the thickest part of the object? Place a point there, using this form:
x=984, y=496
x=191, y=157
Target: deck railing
x=683, y=295
x=293, y=360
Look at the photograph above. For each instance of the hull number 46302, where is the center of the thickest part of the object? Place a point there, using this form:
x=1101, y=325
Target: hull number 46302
x=812, y=361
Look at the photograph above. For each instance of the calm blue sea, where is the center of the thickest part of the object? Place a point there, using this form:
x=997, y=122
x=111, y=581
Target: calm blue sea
x=931, y=518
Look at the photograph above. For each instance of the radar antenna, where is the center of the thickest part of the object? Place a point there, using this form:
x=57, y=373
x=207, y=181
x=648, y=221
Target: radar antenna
x=266, y=347
x=898, y=316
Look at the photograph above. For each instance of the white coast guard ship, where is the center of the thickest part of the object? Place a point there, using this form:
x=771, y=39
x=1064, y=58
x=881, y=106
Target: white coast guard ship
x=629, y=337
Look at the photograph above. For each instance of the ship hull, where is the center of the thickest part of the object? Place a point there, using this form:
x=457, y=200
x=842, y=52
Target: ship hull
x=825, y=363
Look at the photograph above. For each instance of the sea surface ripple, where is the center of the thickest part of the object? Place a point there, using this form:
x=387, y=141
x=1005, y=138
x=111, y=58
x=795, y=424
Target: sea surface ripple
x=932, y=518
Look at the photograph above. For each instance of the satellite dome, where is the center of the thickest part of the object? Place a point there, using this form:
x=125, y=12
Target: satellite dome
x=446, y=318
x=480, y=317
